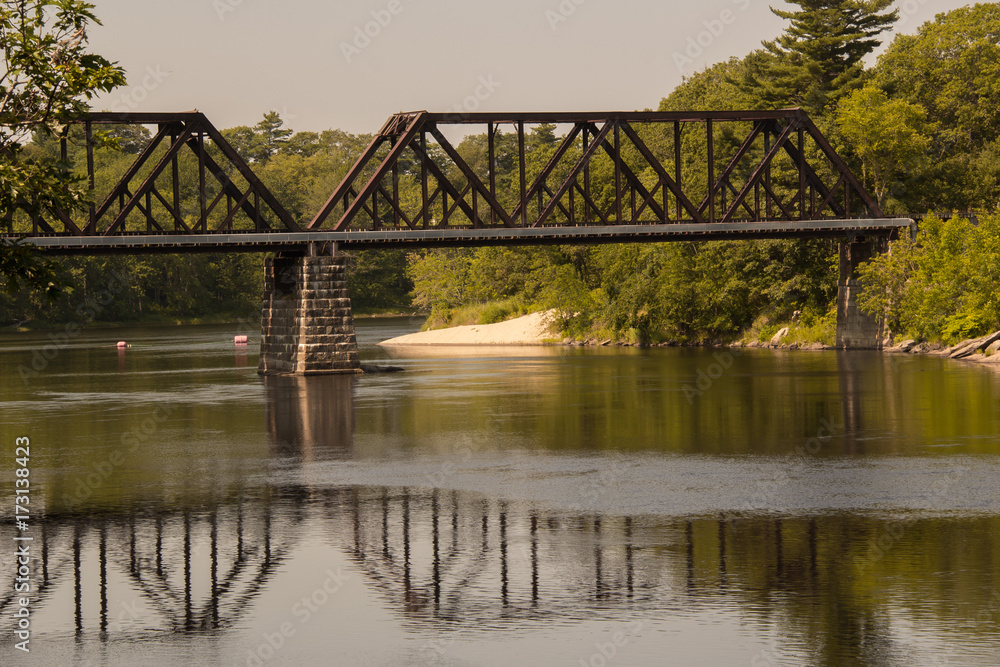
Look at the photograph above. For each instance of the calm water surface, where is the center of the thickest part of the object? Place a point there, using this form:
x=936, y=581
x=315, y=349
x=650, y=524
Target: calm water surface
x=504, y=506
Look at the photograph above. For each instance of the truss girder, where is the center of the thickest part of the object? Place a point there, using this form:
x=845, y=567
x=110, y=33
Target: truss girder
x=424, y=171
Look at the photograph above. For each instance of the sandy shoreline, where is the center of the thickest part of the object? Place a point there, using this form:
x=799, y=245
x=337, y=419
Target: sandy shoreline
x=534, y=329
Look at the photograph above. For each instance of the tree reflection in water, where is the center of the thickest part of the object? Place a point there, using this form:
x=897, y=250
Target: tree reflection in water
x=455, y=561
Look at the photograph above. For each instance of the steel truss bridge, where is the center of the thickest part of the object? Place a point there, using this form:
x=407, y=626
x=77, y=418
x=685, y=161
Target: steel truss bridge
x=605, y=177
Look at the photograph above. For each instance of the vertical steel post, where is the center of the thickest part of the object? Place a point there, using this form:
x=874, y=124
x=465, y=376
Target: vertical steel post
x=524, y=186
x=491, y=131
x=586, y=178
x=89, y=138
x=677, y=168
x=802, y=174
x=202, y=193
x=711, y=171
x=618, y=172
x=423, y=178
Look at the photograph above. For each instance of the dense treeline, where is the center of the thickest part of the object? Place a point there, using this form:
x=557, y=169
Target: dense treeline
x=300, y=168
x=941, y=286
x=919, y=127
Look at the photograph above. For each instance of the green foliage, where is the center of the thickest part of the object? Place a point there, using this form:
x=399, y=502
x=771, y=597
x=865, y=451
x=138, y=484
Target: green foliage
x=25, y=269
x=819, y=57
x=49, y=77
x=714, y=88
x=642, y=293
x=890, y=137
x=710, y=291
x=378, y=281
x=941, y=287
x=260, y=143
x=951, y=68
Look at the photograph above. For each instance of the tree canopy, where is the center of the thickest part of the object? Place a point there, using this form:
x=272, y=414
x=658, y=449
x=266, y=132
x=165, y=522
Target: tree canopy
x=50, y=75
x=951, y=68
x=818, y=59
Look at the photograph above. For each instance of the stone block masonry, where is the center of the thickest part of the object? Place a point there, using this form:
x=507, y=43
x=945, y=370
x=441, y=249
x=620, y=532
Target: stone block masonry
x=855, y=329
x=307, y=327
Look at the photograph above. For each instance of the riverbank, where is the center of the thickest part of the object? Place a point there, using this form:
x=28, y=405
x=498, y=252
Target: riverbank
x=983, y=350
x=539, y=329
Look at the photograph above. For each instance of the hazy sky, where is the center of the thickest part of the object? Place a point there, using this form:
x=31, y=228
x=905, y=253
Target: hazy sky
x=349, y=65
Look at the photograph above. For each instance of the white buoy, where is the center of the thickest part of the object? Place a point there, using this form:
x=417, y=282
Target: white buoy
x=122, y=344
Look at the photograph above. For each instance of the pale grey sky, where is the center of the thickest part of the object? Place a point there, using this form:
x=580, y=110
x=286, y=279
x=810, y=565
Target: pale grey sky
x=349, y=65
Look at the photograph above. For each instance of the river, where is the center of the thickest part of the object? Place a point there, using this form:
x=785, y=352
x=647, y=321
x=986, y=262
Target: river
x=497, y=506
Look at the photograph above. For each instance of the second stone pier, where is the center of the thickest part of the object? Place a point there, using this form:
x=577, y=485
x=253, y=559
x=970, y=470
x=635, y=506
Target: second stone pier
x=307, y=327
x=857, y=330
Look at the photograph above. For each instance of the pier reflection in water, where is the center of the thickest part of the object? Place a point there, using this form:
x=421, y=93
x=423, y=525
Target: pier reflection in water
x=311, y=417
x=307, y=521
x=454, y=562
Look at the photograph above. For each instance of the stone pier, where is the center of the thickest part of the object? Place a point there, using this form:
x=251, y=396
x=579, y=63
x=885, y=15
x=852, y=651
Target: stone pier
x=307, y=327
x=856, y=330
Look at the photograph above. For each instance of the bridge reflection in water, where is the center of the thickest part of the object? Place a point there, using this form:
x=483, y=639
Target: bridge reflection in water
x=446, y=561
x=452, y=561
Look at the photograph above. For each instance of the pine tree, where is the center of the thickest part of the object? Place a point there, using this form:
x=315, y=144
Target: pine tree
x=271, y=134
x=818, y=59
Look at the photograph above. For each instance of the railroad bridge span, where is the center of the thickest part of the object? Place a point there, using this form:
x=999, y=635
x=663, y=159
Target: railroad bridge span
x=610, y=178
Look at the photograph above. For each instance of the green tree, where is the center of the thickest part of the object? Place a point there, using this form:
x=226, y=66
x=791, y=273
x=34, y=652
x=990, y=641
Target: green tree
x=244, y=141
x=49, y=77
x=951, y=68
x=819, y=58
x=272, y=136
x=941, y=287
x=890, y=137
x=378, y=280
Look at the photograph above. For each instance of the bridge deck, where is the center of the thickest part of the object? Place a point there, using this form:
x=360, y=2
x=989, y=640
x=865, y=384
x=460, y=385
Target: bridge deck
x=256, y=242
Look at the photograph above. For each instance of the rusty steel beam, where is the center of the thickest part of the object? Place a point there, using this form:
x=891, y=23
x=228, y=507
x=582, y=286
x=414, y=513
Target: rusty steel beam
x=604, y=169
x=175, y=131
x=632, y=202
